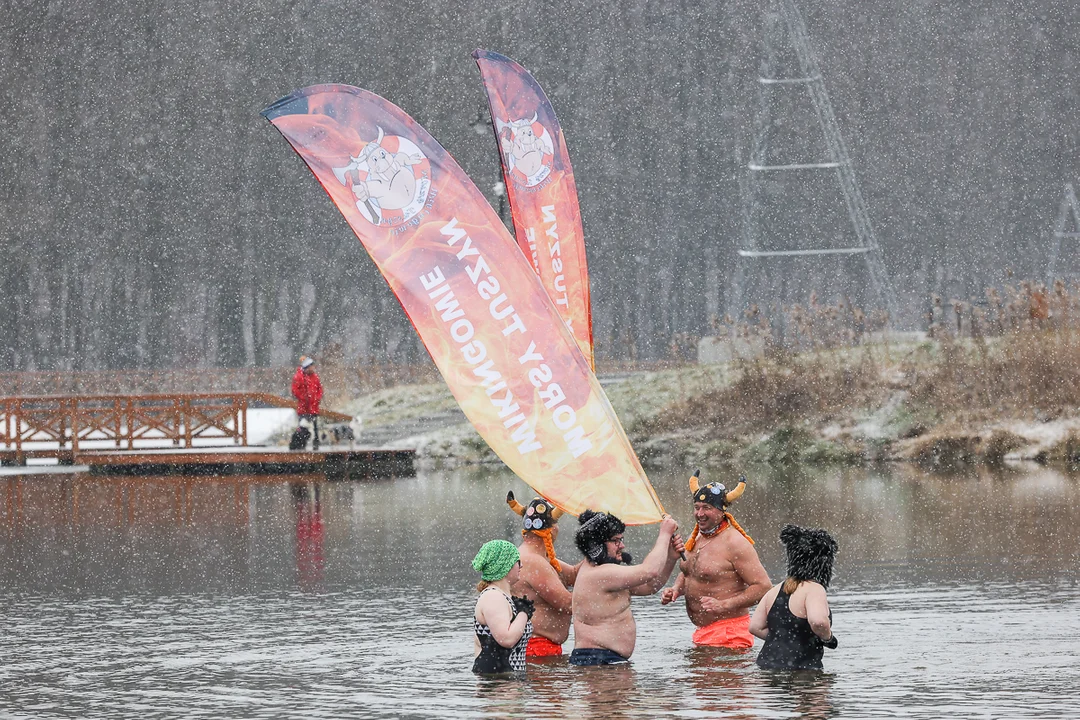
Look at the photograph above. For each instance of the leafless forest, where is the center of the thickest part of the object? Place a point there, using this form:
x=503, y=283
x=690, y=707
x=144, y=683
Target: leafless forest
x=151, y=219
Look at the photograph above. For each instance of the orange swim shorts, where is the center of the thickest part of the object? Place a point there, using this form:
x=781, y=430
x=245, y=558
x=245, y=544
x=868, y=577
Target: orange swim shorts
x=540, y=646
x=731, y=633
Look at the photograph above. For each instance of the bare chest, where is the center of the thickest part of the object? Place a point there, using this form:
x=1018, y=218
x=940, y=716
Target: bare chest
x=710, y=562
x=592, y=604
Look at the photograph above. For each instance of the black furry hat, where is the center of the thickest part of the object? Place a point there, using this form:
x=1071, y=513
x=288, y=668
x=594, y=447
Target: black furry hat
x=810, y=553
x=595, y=529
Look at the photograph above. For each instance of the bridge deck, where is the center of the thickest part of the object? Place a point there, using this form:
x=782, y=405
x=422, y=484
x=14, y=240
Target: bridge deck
x=232, y=460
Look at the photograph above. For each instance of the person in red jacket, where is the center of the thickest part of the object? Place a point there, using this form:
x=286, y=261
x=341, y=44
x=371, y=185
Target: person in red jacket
x=307, y=390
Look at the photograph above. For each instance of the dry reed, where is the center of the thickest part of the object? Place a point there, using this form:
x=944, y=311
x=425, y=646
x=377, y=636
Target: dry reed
x=1015, y=352
x=811, y=367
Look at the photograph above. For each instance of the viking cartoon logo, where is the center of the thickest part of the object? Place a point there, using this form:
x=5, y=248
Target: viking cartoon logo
x=528, y=149
x=390, y=179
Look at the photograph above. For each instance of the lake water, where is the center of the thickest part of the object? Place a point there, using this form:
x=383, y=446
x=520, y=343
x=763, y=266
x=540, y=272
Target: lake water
x=292, y=596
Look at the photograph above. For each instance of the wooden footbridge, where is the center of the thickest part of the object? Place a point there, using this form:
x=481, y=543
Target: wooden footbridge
x=173, y=432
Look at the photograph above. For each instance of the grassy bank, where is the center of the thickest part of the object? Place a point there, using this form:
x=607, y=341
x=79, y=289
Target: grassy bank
x=993, y=381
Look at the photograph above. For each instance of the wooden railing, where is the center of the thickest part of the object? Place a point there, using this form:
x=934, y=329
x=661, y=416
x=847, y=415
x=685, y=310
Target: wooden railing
x=59, y=426
x=276, y=401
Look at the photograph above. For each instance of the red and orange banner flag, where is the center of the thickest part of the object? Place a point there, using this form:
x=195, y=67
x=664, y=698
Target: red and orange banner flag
x=495, y=335
x=540, y=186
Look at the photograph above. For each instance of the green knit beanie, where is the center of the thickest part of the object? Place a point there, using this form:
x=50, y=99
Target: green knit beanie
x=495, y=560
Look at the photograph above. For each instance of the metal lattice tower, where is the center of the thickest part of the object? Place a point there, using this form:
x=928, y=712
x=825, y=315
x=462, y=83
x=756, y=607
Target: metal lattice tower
x=1066, y=228
x=784, y=22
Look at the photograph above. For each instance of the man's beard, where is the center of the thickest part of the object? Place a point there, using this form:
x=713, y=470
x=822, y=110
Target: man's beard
x=621, y=558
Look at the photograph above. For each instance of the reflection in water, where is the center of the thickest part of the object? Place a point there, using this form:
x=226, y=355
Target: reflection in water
x=611, y=691
x=309, y=535
x=722, y=680
x=289, y=596
x=806, y=691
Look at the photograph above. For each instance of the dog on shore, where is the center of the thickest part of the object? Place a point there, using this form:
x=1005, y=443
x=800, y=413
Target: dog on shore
x=341, y=433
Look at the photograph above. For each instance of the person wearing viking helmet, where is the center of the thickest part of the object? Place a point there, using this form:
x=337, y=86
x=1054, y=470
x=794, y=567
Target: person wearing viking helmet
x=544, y=578
x=721, y=577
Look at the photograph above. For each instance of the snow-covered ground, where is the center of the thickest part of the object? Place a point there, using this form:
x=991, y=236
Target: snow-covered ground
x=1041, y=437
x=267, y=423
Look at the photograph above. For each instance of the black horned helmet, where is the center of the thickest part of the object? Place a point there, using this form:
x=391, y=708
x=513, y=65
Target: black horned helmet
x=715, y=493
x=537, y=515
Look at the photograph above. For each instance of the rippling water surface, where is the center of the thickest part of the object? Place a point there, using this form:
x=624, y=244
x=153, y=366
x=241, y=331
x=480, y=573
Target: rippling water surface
x=296, y=597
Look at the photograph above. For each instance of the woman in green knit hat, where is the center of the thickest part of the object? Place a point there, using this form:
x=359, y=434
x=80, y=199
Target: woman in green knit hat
x=502, y=622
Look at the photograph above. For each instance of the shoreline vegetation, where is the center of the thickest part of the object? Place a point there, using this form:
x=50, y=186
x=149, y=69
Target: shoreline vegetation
x=994, y=380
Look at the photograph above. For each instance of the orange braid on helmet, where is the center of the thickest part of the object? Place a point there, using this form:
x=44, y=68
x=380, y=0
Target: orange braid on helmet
x=546, y=517
x=728, y=518
x=549, y=546
x=693, y=539
x=718, y=496
x=738, y=527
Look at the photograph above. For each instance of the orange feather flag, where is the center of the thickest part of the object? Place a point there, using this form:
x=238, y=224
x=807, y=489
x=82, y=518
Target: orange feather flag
x=476, y=302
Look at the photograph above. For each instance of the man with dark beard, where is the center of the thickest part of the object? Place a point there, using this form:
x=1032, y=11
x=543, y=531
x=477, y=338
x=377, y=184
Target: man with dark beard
x=604, y=629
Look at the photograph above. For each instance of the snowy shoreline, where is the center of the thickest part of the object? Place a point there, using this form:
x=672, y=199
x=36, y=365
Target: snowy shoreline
x=426, y=418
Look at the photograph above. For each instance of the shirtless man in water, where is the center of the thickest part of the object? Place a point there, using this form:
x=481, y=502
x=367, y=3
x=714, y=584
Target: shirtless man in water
x=604, y=629
x=722, y=577
x=544, y=578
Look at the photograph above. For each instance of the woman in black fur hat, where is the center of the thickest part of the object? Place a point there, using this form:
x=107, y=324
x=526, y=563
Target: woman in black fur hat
x=794, y=618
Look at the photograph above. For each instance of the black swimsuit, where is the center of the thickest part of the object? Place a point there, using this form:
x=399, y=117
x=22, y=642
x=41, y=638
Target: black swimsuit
x=791, y=643
x=493, y=657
